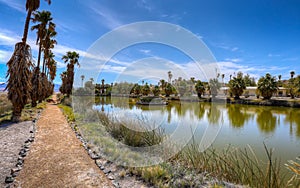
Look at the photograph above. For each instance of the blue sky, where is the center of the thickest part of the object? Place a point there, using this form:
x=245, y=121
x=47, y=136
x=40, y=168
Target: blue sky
x=254, y=36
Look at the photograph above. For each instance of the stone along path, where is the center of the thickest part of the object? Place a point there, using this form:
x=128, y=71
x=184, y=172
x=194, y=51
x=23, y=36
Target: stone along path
x=57, y=158
x=12, y=138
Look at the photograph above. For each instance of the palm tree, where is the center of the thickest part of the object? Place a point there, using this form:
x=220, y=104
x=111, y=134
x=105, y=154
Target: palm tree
x=169, y=89
x=146, y=89
x=170, y=75
x=102, y=86
x=162, y=84
x=223, y=76
x=237, y=85
x=44, y=27
x=267, y=86
x=44, y=23
x=292, y=73
x=48, y=45
x=82, y=78
x=20, y=67
x=200, y=88
x=31, y=5
x=156, y=91
x=64, y=80
x=72, y=59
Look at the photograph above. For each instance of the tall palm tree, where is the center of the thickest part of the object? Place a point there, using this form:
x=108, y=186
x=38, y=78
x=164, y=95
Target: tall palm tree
x=82, y=78
x=48, y=44
x=72, y=59
x=43, y=26
x=223, y=76
x=20, y=67
x=31, y=5
x=102, y=86
x=170, y=75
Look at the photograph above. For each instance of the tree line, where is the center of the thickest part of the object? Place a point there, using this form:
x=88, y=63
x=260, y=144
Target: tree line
x=267, y=86
x=27, y=80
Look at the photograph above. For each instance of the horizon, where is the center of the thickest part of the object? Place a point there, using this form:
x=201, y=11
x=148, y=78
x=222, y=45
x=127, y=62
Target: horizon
x=252, y=37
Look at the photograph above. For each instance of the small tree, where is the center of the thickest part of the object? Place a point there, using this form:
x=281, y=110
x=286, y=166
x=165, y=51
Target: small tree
x=200, y=88
x=267, y=86
x=237, y=85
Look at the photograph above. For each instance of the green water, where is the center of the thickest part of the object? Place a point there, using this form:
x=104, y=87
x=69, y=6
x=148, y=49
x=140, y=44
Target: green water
x=240, y=125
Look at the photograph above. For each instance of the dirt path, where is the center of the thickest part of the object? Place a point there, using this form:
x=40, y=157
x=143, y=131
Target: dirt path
x=57, y=158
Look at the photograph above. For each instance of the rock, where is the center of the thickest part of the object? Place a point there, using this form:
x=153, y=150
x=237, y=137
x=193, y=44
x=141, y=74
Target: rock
x=111, y=177
x=107, y=171
x=19, y=163
x=9, y=179
x=31, y=131
x=14, y=170
x=116, y=184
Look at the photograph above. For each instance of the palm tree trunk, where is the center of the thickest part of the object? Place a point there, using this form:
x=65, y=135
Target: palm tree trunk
x=44, y=68
x=26, y=27
x=39, y=56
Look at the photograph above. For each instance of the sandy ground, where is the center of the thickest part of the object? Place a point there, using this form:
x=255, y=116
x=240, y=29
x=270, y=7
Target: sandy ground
x=12, y=138
x=57, y=158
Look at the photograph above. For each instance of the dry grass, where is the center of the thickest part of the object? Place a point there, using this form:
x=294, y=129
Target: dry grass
x=28, y=113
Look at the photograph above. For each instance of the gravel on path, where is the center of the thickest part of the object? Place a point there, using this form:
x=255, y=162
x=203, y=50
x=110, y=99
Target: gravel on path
x=12, y=138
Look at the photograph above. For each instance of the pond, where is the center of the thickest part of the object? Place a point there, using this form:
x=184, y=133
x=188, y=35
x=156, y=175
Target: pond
x=240, y=125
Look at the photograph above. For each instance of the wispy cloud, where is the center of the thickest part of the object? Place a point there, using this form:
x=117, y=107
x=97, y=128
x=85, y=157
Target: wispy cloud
x=145, y=52
x=108, y=18
x=273, y=55
x=145, y=5
x=17, y=5
x=5, y=55
x=226, y=47
x=235, y=60
x=8, y=38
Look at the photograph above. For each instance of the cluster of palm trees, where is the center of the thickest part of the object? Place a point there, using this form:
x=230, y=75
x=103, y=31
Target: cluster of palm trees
x=42, y=80
x=25, y=80
x=67, y=77
x=267, y=85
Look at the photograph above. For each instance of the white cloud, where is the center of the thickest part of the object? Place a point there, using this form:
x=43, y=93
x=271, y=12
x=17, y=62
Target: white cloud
x=15, y=5
x=235, y=60
x=146, y=52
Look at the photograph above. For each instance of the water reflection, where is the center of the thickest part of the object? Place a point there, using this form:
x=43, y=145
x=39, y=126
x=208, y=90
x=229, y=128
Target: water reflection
x=292, y=119
x=266, y=119
x=237, y=115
